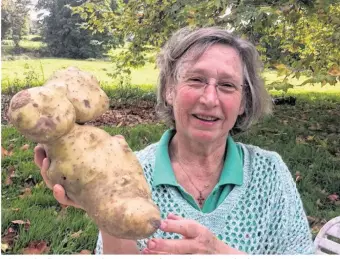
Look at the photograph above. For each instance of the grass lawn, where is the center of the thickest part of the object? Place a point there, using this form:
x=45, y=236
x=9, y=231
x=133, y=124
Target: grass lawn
x=34, y=72
x=306, y=135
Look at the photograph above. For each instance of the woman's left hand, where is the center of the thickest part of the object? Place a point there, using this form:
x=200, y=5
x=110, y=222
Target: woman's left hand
x=197, y=239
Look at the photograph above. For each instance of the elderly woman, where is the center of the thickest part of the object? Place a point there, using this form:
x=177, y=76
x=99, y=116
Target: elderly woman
x=216, y=196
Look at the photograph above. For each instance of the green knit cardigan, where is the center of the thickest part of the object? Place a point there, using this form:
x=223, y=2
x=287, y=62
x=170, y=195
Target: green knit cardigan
x=264, y=215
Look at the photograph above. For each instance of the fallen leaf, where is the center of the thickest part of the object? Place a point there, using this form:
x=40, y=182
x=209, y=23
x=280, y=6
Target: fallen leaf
x=19, y=221
x=36, y=247
x=26, y=192
x=298, y=176
x=27, y=223
x=15, y=209
x=25, y=147
x=9, y=236
x=312, y=220
x=4, y=247
x=310, y=138
x=10, y=175
x=8, y=181
x=11, y=170
x=5, y=152
x=333, y=197
x=300, y=140
x=11, y=147
x=76, y=234
x=85, y=252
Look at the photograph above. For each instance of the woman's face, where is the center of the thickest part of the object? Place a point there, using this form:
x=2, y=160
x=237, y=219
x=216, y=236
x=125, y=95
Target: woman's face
x=207, y=99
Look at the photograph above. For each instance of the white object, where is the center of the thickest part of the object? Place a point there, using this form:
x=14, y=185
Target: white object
x=328, y=239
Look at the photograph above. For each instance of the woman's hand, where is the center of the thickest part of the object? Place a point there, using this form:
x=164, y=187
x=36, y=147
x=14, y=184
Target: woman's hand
x=43, y=163
x=197, y=239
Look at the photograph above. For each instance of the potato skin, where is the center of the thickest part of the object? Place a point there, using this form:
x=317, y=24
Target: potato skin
x=102, y=174
x=42, y=115
x=83, y=91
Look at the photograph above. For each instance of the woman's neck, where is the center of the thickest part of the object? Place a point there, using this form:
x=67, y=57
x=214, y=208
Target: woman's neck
x=203, y=160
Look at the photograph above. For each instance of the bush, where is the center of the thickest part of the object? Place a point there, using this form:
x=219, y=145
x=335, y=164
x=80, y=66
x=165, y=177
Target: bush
x=122, y=95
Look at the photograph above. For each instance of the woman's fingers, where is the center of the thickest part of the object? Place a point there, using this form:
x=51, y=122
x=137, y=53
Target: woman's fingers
x=184, y=227
x=43, y=163
x=174, y=217
x=39, y=155
x=60, y=195
x=43, y=171
x=172, y=246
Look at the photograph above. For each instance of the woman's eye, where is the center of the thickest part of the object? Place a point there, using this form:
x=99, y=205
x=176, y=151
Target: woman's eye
x=226, y=85
x=195, y=79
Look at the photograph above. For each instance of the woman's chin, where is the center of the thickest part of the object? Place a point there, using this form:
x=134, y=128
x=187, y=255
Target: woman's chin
x=206, y=136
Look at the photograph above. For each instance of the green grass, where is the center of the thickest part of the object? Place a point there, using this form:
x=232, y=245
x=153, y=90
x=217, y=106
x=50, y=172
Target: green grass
x=305, y=135
x=13, y=72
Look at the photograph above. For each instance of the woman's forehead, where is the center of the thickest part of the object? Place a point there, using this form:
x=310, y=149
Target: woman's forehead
x=219, y=59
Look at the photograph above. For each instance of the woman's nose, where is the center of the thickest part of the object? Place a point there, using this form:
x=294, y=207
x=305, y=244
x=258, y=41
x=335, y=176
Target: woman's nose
x=209, y=95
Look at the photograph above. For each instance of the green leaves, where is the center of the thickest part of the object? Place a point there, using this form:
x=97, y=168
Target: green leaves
x=301, y=35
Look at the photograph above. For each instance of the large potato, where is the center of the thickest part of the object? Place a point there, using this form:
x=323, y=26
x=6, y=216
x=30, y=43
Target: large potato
x=99, y=172
x=111, y=186
x=41, y=114
x=83, y=91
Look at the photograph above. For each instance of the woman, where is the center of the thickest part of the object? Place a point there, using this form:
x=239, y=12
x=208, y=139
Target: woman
x=215, y=195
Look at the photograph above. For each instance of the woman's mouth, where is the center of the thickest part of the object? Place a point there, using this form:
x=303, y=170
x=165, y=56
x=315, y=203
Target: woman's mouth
x=205, y=118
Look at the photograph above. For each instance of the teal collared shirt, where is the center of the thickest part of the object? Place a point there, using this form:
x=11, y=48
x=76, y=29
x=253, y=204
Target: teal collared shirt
x=232, y=173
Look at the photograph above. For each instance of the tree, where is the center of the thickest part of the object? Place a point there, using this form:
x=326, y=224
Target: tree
x=14, y=18
x=287, y=33
x=5, y=18
x=64, y=34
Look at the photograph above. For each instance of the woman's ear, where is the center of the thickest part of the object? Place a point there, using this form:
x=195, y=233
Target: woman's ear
x=169, y=95
x=242, y=108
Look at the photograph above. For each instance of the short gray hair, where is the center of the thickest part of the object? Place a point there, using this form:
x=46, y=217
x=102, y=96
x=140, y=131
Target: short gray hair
x=255, y=99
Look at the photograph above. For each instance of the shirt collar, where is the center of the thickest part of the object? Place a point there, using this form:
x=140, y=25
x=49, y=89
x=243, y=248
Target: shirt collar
x=232, y=172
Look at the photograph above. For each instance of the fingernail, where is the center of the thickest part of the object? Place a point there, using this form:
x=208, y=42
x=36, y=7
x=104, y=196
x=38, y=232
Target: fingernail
x=164, y=224
x=151, y=244
x=145, y=251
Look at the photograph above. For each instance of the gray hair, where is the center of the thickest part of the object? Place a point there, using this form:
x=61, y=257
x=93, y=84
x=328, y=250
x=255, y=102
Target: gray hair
x=170, y=60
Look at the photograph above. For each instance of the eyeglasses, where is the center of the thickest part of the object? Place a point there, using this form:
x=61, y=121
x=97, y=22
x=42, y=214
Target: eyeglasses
x=200, y=84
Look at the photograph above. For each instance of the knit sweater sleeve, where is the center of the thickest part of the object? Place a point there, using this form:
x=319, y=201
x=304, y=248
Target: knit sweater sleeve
x=298, y=238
